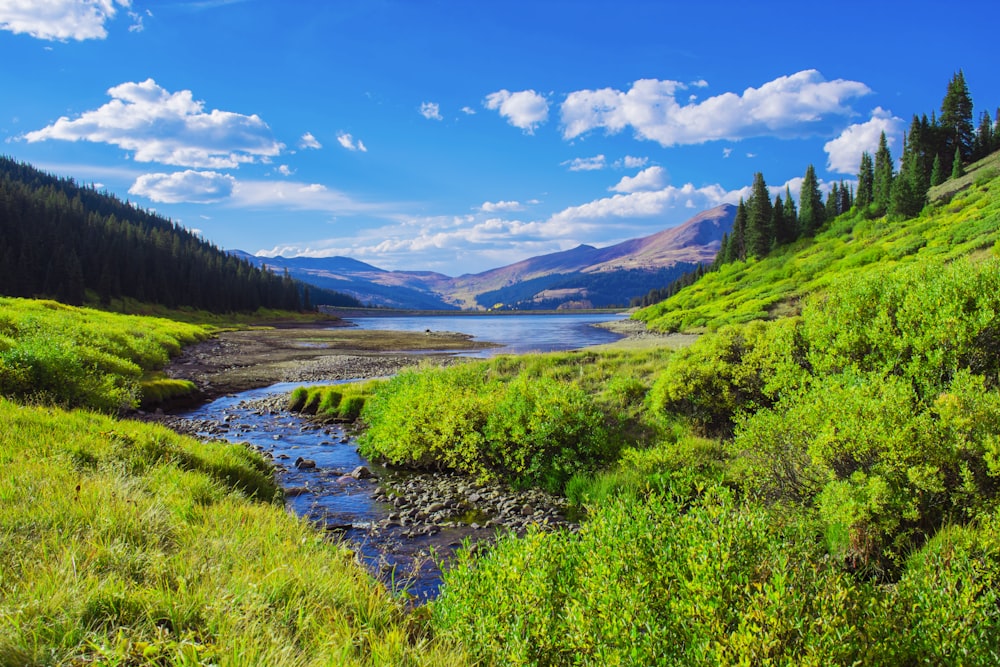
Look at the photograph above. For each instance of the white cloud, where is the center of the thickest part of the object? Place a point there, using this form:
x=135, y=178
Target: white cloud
x=137, y=18
x=789, y=106
x=631, y=162
x=299, y=196
x=431, y=111
x=347, y=141
x=595, y=163
x=199, y=187
x=652, y=178
x=469, y=111
x=726, y=152
x=845, y=151
x=309, y=141
x=525, y=109
x=60, y=19
x=646, y=204
x=170, y=128
x=285, y=170
x=494, y=206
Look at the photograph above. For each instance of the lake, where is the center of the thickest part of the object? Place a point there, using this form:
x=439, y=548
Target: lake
x=517, y=334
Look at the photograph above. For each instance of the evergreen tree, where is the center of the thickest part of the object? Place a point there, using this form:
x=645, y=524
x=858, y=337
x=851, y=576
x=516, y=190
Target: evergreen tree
x=846, y=198
x=784, y=232
x=956, y=116
x=882, y=179
x=737, y=240
x=937, y=172
x=791, y=215
x=984, y=137
x=866, y=178
x=812, y=214
x=833, y=202
x=759, y=235
x=957, y=170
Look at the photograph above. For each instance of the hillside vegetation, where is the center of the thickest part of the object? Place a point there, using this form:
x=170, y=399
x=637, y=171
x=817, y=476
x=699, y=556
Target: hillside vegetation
x=819, y=488
x=954, y=224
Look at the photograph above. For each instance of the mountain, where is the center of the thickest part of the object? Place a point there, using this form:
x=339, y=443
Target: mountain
x=366, y=283
x=584, y=276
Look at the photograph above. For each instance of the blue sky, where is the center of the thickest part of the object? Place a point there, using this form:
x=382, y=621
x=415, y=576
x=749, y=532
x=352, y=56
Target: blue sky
x=462, y=135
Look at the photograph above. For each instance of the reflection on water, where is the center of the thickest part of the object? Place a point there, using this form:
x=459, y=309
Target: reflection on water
x=517, y=333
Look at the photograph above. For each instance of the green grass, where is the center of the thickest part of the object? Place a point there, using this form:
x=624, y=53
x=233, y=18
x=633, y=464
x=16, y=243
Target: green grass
x=79, y=357
x=124, y=543
x=964, y=222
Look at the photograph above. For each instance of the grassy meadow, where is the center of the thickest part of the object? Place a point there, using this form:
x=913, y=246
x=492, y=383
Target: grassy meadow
x=814, y=481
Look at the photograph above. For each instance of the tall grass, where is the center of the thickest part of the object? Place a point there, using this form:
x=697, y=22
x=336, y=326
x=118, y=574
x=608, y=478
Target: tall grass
x=78, y=357
x=124, y=543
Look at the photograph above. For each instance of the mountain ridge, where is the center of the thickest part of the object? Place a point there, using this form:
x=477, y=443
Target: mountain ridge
x=582, y=276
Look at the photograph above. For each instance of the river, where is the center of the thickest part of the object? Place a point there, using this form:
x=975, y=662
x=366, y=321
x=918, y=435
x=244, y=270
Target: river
x=399, y=524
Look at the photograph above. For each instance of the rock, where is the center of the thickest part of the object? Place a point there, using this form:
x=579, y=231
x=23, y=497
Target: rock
x=362, y=472
x=527, y=510
x=293, y=491
x=304, y=464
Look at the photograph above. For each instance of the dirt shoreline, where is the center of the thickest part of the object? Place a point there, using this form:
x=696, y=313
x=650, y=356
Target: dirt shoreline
x=235, y=361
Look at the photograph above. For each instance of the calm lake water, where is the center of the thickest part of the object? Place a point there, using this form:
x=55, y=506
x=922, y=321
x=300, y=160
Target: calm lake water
x=516, y=333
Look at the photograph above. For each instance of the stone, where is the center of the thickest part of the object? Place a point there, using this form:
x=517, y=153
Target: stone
x=362, y=472
x=304, y=464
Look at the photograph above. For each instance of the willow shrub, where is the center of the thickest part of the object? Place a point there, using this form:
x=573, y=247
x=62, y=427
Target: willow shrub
x=530, y=431
x=897, y=431
x=710, y=582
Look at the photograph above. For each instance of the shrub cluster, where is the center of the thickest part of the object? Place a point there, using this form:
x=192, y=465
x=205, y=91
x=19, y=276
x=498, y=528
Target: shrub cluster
x=530, y=431
x=341, y=402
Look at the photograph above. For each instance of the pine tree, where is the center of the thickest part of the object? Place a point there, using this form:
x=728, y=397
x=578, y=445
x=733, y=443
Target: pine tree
x=782, y=230
x=866, y=178
x=833, y=202
x=956, y=116
x=882, y=178
x=737, y=240
x=759, y=234
x=984, y=137
x=812, y=214
x=937, y=172
x=957, y=170
x=791, y=215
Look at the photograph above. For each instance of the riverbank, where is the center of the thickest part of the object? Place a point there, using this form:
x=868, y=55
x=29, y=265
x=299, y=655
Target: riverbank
x=234, y=361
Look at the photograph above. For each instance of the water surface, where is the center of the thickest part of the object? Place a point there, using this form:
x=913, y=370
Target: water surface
x=517, y=334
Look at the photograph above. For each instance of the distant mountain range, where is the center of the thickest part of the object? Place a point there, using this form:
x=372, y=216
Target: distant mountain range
x=581, y=277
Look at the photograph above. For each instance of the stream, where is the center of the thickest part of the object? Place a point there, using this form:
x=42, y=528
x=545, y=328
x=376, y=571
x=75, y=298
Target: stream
x=402, y=526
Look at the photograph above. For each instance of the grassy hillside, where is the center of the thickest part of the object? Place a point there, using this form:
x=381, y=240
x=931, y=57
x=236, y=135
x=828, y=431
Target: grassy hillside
x=125, y=544
x=821, y=488
x=963, y=219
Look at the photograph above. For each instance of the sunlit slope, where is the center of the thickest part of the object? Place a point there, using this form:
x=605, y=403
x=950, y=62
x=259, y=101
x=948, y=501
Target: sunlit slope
x=963, y=219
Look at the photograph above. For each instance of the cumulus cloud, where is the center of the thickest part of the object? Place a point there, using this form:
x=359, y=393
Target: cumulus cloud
x=789, y=106
x=309, y=141
x=285, y=170
x=646, y=204
x=169, y=128
x=347, y=141
x=469, y=111
x=845, y=151
x=595, y=163
x=431, y=111
x=199, y=187
x=525, y=109
x=60, y=19
x=652, y=178
x=494, y=206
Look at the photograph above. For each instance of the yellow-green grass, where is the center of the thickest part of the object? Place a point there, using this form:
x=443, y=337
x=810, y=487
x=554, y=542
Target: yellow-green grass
x=125, y=543
x=80, y=357
x=959, y=223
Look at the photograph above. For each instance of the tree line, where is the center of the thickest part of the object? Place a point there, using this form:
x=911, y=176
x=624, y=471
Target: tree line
x=69, y=242
x=760, y=224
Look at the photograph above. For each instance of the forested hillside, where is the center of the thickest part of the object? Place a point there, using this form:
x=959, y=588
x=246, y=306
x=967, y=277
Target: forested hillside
x=70, y=242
